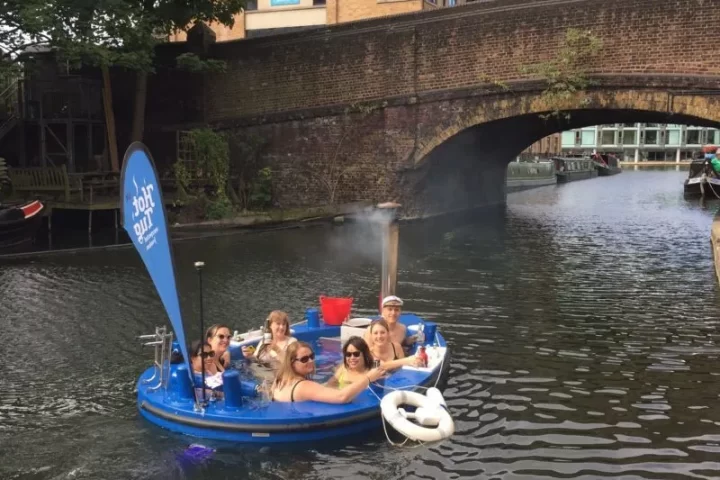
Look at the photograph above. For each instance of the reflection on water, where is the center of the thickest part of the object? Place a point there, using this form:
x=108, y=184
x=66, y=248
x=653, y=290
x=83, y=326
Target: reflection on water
x=583, y=322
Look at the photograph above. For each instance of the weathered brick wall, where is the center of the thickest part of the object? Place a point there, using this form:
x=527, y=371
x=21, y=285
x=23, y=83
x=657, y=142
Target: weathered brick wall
x=439, y=137
x=442, y=155
x=455, y=48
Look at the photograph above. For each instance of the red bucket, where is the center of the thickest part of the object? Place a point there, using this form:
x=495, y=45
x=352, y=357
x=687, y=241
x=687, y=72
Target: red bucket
x=335, y=310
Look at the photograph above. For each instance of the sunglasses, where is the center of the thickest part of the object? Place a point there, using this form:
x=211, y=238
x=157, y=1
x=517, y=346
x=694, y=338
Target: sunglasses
x=306, y=358
x=210, y=354
x=353, y=354
x=223, y=337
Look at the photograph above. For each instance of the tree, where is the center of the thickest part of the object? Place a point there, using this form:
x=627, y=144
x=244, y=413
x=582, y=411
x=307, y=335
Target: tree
x=121, y=33
x=565, y=75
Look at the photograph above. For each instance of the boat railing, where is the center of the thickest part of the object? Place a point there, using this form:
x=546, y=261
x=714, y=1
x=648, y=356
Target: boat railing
x=161, y=341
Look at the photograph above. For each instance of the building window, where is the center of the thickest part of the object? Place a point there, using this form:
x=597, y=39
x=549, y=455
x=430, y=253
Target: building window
x=712, y=136
x=250, y=5
x=629, y=137
x=588, y=138
x=607, y=137
x=318, y=2
x=673, y=137
x=693, y=137
x=651, y=137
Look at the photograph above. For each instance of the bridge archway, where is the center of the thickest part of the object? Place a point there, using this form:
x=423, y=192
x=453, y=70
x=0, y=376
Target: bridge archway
x=464, y=165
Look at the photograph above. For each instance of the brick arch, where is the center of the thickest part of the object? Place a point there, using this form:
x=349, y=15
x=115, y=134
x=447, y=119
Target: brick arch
x=688, y=108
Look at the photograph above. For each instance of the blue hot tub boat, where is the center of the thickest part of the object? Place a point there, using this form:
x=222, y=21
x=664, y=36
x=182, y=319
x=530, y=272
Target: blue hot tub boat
x=169, y=396
x=245, y=414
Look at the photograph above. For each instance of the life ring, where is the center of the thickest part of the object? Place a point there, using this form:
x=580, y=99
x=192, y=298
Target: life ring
x=431, y=413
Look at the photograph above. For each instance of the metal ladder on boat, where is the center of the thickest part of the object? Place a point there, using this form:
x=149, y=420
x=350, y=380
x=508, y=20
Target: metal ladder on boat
x=161, y=341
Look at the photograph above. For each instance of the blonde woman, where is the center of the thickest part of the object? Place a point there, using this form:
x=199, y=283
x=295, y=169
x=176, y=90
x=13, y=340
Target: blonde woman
x=292, y=384
x=278, y=324
x=357, y=361
x=383, y=348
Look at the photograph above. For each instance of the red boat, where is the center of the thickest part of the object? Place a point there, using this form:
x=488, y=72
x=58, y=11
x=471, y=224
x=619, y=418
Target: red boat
x=19, y=223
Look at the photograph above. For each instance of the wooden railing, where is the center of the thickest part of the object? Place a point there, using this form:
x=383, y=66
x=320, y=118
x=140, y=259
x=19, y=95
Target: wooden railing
x=45, y=179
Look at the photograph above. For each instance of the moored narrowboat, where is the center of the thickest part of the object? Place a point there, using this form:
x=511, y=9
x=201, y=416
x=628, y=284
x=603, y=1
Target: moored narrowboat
x=701, y=181
x=527, y=175
x=19, y=223
x=569, y=169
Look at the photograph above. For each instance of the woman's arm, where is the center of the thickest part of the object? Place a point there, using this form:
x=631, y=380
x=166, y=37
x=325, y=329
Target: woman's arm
x=401, y=361
x=248, y=352
x=334, y=382
x=319, y=393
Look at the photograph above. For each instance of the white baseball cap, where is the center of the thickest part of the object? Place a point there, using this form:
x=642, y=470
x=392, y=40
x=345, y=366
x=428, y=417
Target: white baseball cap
x=392, y=299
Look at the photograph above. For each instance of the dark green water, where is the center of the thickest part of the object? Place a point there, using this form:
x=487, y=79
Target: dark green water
x=583, y=320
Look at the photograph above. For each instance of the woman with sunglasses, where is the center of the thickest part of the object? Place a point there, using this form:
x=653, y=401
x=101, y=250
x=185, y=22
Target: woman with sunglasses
x=292, y=383
x=203, y=353
x=357, y=361
x=218, y=336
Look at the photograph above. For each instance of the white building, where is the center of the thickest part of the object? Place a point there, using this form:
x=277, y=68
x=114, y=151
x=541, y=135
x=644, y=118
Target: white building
x=638, y=142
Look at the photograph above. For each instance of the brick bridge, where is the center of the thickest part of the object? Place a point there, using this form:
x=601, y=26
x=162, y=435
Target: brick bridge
x=417, y=108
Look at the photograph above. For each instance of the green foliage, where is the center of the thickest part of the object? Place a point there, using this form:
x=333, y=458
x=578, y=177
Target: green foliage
x=253, y=185
x=182, y=178
x=211, y=153
x=192, y=63
x=261, y=189
x=218, y=208
x=498, y=83
x=112, y=32
x=565, y=75
x=202, y=178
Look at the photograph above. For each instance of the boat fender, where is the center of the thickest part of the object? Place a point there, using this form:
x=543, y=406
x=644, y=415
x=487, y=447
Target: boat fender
x=435, y=420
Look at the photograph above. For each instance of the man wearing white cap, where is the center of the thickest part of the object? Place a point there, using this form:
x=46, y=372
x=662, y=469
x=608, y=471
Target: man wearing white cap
x=391, y=310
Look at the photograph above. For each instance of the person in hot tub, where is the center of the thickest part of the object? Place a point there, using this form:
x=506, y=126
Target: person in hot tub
x=293, y=385
x=202, y=353
x=278, y=324
x=382, y=348
x=391, y=310
x=357, y=361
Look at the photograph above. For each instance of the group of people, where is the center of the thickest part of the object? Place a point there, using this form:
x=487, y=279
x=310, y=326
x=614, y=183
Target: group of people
x=382, y=349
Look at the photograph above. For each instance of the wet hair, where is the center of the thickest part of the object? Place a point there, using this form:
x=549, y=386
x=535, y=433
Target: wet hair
x=362, y=346
x=210, y=332
x=380, y=321
x=197, y=347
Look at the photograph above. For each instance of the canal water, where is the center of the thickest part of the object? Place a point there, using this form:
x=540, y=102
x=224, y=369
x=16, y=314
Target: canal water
x=583, y=321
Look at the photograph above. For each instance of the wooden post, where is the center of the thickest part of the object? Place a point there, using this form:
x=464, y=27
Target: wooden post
x=70, y=134
x=43, y=139
x=390, y=239
x=110, y=119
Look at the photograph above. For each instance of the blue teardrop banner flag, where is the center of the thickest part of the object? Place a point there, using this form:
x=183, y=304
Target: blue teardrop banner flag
x=144, y=219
